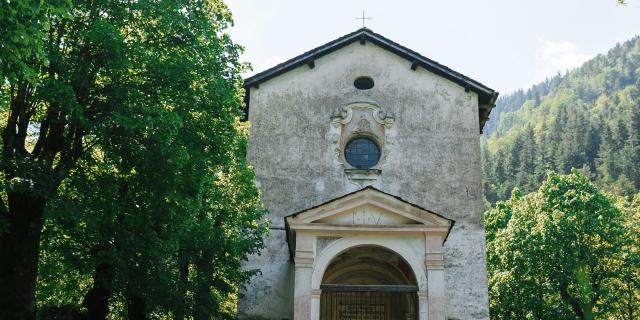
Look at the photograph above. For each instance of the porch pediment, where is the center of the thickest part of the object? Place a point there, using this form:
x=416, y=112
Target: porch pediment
x=368, y=210
x=369, y=241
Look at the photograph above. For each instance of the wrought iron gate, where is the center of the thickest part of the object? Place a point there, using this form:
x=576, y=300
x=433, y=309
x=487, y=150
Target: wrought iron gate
x=363, y=302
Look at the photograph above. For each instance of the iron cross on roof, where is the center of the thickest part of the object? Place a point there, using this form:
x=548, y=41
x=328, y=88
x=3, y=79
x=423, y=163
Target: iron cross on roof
x=363, y=19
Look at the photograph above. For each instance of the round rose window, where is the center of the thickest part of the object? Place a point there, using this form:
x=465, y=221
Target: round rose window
x=362, y=153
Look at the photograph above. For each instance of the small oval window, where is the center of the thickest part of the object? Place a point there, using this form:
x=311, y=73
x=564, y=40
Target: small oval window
x=363, y=83
x=362, y=153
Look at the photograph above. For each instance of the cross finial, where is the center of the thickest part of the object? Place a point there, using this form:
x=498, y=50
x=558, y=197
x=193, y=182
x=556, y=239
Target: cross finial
x=363, y=19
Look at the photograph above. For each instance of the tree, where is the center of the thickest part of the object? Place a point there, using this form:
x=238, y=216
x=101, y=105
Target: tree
x=170, y=243
x=555, y=253
x=626, y=297
x=134, y=107
x=586, y=119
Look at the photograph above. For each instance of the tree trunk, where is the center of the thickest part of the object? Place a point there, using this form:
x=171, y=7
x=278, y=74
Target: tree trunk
x=588, y=312
x=135, y=307
x=204, y=302
x=97, y=299
x=575, y=305
x=19, y=248
x=183, y=268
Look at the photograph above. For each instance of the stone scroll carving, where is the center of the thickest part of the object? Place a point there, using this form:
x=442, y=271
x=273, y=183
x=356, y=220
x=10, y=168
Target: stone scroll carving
x=344, y=114
x=361, y=119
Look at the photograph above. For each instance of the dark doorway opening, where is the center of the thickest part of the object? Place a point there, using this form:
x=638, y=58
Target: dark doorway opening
x=369, y=283
x=368, y=305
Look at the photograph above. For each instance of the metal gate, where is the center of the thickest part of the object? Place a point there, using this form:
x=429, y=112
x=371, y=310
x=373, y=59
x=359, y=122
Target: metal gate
x=364, y=302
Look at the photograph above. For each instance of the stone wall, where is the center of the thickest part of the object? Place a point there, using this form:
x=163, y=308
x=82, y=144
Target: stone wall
x=432, y=160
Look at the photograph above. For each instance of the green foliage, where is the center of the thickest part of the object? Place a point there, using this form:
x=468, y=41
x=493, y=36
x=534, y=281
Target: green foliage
x=587, y=119
x=626, y=298
x=566, y=250
x=152, y=224
x=123, y=119
x=561, y=252
x=24, y=26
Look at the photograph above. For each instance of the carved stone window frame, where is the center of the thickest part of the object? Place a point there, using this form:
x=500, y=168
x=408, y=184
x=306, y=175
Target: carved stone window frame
x=373, y=122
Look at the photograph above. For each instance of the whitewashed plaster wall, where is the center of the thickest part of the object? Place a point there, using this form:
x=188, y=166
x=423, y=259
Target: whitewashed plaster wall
x=433, y=161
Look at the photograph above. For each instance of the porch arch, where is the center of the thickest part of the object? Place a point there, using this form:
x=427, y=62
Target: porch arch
x=339, y=246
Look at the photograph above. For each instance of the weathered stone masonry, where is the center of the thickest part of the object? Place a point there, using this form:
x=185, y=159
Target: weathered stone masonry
x=426, y=120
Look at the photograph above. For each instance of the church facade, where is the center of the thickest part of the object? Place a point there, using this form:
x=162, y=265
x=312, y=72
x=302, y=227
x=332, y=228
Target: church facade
x=367, y=155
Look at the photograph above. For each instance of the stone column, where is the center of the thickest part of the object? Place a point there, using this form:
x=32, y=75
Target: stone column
x=315, y=304
x=434, y=261
x=423, y=305
x=303, y=261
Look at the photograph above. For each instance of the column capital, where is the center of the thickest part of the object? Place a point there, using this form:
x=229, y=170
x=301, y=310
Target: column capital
x=434, y=261
x=303, y=259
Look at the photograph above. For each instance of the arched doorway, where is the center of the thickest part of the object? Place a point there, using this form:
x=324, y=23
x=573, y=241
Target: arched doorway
x=368, y=282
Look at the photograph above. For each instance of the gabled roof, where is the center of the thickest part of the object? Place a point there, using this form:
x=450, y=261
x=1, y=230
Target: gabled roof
x=486, y=96
x=416, y=218
x=361, y=191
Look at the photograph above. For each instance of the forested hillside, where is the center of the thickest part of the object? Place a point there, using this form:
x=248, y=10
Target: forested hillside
x=561, y=248
x=588, y=118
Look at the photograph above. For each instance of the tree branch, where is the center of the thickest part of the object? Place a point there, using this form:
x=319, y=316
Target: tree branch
x=576, y=306
x=23, y=122
x=10, y=131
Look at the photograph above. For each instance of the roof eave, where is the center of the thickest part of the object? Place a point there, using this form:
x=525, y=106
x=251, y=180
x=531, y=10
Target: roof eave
x=368, y=35
x=486, y=96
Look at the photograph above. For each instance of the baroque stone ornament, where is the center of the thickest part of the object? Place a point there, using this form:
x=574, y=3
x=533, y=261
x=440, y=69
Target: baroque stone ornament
x=366, y=119
x=344, y=114
x=363, y=126
x=384, y=117
x=340, y=115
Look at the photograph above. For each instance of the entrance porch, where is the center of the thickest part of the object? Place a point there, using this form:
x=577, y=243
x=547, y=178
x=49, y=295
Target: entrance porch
x=368, y=282
x=368, y=255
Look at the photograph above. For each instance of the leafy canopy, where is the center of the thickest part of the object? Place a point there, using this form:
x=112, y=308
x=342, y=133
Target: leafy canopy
x=121, y=121
x=557, y=253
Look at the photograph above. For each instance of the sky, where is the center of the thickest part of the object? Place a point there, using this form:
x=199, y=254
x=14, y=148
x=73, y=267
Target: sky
x=506, y=45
